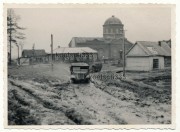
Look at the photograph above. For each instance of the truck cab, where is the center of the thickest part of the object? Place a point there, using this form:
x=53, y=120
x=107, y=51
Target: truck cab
x=79, y=72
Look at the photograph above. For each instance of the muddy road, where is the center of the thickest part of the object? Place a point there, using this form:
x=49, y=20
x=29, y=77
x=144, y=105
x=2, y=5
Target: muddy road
x=40, y=95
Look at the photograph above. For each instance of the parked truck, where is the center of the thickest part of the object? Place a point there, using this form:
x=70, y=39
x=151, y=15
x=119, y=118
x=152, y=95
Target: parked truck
x=95, y=67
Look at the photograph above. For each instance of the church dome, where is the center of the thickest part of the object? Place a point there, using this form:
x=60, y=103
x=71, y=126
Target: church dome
x=112, y=20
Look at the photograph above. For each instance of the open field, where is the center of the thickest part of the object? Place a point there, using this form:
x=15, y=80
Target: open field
x=41, y=95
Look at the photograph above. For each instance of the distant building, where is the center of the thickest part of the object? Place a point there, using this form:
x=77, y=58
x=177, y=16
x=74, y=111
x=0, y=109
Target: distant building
x=77, y=54
x=33, y=53
x=146, y=56
x=110, y=46
x=33, y=56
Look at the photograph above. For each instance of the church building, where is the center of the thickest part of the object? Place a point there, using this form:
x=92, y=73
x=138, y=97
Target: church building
x=110, y=46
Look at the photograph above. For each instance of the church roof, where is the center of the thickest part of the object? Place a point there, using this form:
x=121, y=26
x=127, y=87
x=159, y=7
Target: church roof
x=112, y=20
x=85, y=39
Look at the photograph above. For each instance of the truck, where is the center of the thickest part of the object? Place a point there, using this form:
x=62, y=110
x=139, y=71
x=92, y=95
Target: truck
x=95, y=67
x=79, y=72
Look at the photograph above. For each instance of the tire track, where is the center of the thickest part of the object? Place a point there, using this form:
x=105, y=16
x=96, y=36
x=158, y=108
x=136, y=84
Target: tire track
x=46, y=104
x=100, y=111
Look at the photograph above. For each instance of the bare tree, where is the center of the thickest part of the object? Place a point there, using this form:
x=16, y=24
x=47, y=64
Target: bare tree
x=13, y=31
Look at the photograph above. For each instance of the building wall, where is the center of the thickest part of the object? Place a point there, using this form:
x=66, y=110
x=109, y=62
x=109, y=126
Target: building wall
x=72, y=43
x=102, y=49
x=161, y=62
x=106, y=50
x=136, y=50
x=143, y=63
x=138, y=63
x=71, y=57
x=112, y=31
x=167, y=61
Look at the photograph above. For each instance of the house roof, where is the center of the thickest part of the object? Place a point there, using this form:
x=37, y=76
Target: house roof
x=30, y=53
x=153, y=48
x=75, y=50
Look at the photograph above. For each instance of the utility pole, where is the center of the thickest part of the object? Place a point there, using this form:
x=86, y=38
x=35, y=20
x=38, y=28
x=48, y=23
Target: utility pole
x=124, y=54
x=52, y=52
x=18, y=53
x=52, y=47
x=33, y=53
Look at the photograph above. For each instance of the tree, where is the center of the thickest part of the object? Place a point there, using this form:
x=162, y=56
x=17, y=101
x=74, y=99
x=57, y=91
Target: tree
x=13, y=31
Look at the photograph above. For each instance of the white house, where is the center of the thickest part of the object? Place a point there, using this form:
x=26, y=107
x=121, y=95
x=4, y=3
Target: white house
x=146, y=56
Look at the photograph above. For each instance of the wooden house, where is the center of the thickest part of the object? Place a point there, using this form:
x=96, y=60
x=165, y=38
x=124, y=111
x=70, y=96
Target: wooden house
x=146, y=56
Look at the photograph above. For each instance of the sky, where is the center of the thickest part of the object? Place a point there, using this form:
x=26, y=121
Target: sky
x=142, y=23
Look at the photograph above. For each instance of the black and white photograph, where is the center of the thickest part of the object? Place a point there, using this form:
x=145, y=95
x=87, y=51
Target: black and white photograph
x=89, y=64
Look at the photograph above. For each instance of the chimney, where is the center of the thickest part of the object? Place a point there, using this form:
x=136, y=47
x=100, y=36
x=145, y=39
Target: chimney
x=159, y=43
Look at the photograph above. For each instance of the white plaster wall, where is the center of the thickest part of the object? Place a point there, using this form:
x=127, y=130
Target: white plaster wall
x=138, y=63
x=72, y=42
x=161, y=62
x=136, y=50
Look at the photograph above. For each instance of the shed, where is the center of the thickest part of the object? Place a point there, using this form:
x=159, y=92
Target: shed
x=146, y=56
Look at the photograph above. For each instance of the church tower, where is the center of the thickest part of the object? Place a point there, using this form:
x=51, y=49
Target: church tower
x=113, y=28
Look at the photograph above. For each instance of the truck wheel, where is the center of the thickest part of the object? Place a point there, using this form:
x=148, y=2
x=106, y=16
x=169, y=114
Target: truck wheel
x=93, y=69
x=88, y=80
x=73, y=81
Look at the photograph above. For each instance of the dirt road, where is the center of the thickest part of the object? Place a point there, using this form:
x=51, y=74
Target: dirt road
x=39, y=97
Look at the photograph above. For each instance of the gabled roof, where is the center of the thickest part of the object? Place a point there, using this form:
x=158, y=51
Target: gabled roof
x=31, y=53
x=74, y=50
x=153, y=48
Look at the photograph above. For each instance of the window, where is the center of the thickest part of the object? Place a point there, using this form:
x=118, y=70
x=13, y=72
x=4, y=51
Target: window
x=120, y=31
x=155, y=63
x=111, y=30
x=121, y=54
x=114, y=30
x=115, y=52
x=106, y=31
x=117, y=30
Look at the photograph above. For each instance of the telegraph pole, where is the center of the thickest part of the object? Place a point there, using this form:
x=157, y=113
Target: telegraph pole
x=52, y=47
x=52, y=52
x=33, y=53
x=18, y=53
